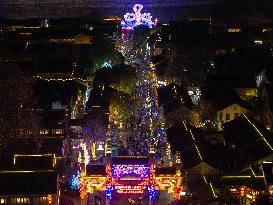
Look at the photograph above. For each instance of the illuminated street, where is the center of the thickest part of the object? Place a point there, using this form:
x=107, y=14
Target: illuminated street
x=136, y=102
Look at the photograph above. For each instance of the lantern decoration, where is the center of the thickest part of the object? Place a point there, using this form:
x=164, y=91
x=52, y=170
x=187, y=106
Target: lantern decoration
x=178, y=187
x=242, y=190
x=82, y=188
x=49, y=199
x=151, y=187
x=109, y=186
x=254, y=195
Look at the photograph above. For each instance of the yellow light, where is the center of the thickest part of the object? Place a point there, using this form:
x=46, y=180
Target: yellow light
x=54, y=161
x=266, y=162
x=258, y=132
x=49, y=199
x=30, y=155
x=230, y=177
x=213, y=192
x=205, y=179
x=28, y=171
x=93, y=150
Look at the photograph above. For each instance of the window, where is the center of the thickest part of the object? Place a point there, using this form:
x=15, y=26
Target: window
x=19, y=200
x=57, y=131
x=236, y=115
x=227, y=116
x=234, y=30
x=3, y=201
x=44, y=132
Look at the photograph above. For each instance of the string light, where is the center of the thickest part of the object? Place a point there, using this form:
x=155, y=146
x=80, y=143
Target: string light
x=212, y=189
x=49, y=199
x=258, y=132
x=61, y=79
x=75, y=181
x=82, y=187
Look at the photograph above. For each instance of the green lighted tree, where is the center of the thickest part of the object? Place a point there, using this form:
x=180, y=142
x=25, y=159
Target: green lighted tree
x=105, y=51
x=121, y=106
x=123, y=79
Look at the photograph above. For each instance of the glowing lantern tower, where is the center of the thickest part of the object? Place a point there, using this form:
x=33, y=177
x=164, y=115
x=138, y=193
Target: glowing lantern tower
x=133, y=20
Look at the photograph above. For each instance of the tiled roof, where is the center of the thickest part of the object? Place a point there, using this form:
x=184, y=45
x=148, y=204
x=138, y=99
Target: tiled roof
x=33, y=162
x=251, y=137
x=28, y=182
x=195, y=149
x=95, y=170
x=130, y=160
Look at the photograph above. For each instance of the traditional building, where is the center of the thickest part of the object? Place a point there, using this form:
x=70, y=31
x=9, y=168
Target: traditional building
x=32, y=181
x=133, y=178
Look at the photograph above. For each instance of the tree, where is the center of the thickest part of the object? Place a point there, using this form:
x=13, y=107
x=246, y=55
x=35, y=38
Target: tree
x=124, y=79
x=104, y=51
x=122, y=106
x=95, y=127
x=18, y=111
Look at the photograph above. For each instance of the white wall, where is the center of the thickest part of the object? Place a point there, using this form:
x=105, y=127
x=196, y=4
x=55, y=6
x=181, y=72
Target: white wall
x=231, y=110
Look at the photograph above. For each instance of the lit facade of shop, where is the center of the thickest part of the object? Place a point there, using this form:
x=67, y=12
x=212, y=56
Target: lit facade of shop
x=135, y=178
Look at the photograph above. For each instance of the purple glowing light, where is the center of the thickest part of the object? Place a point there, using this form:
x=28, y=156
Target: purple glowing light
x=125, y=170
x=133, y=20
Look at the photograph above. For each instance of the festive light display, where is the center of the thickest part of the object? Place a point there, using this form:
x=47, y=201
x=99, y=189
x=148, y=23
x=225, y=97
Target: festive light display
x=95, y=183
x=139, y=178
x=82, y=187
x=75, y=181
x=143, y=179
x=108, y=192
x=49, y=198
x=212, y=189
x=100, y=148
x=130, y=189
x=61, y=79
x=108, y=182
x=93, y=150
x=178, y=186
x=151, y=187
x=106, y=64
x=195, y=93
x=83, y=154
x=132, y=170
x=133, y=20
x=242, y=190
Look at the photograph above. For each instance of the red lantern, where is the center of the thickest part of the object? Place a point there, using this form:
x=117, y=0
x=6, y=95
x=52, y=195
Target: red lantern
x=242, y=190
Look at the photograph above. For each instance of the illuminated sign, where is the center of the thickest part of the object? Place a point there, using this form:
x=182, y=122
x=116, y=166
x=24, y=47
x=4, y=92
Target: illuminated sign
x=130, y=189
x=130, y=171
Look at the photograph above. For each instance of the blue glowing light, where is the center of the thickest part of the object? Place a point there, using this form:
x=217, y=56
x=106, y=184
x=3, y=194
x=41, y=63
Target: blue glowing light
x=106, y=64
x=152, y=192
x=108, y=192
x=74, y=181
x=133, y=20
